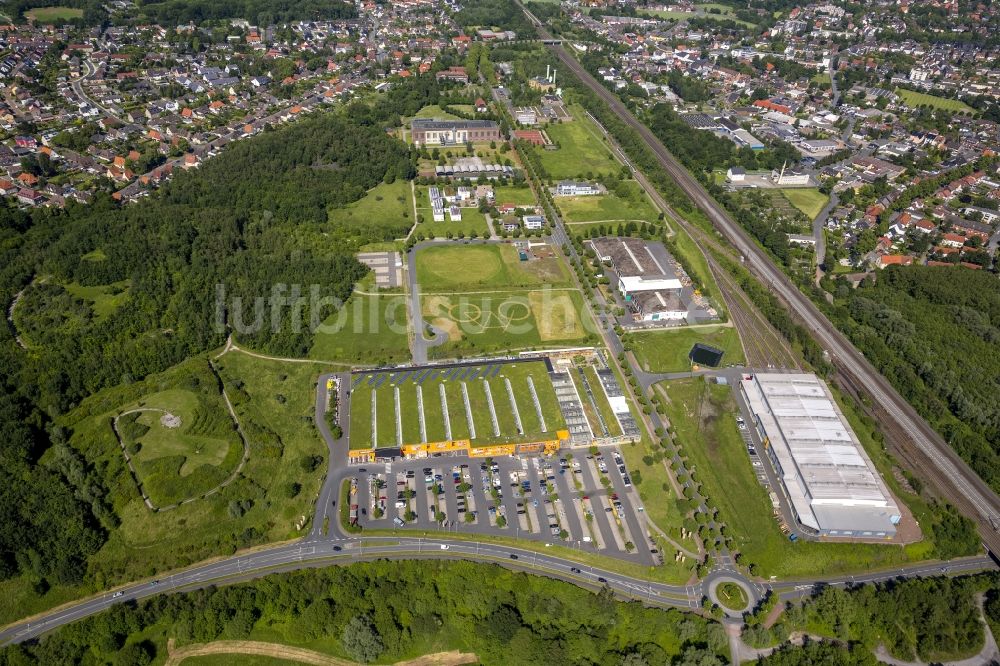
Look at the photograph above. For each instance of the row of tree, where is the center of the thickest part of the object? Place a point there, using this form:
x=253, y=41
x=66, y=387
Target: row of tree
x=388, y=611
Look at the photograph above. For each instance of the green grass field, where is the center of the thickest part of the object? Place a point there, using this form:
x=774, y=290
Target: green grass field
x=519, y=196
x=53, y=14
x=175, y=464
x=507, y=321
x=381, y=387
x=384, y=207
x=369, y=329
x=667, y=350
x=634, y=206
x=581, y=151
x=914, y=100
x=809, y=200
x=457, y=267
x=472, y=222
x=702, y=416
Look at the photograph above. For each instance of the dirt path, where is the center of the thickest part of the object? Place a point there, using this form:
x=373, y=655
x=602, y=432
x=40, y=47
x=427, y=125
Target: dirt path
x=232, y=477
x=231, y=346
x=177, y=655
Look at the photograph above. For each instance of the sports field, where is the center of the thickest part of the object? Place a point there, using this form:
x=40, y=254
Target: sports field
x=914, y=100
x=500, y=320
x=581, y=151
x=809, y=200
x=53, y=14
x=436, y=404
x=451, y=268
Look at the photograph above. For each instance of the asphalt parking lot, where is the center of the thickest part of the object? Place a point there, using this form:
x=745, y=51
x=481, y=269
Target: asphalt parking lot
x=557, y=500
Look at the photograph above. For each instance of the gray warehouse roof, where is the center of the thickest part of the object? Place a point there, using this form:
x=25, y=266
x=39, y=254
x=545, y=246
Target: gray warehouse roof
x=828, y=476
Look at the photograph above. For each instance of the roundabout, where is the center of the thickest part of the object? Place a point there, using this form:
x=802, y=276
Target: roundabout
x=731, y=591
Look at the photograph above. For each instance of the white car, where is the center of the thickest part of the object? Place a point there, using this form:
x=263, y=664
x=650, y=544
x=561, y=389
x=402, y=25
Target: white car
x=117, y=594
x=445, y=546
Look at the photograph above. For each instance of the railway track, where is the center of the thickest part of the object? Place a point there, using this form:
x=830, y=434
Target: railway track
x=913, y=437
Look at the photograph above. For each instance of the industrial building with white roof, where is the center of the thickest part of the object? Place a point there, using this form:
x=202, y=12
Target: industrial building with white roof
x=831, y=483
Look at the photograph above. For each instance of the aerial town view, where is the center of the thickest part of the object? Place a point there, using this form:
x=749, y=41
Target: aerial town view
x=441, y=332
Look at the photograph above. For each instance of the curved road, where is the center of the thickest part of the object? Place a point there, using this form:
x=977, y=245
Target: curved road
x=947, y=472
x=340, y=550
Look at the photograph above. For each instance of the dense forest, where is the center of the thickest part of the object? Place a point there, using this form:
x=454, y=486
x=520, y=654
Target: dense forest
x=245, y=221
x=387, y=611
x=497, y=14
x=930, y=619
x=935, y=334
x=264, y=12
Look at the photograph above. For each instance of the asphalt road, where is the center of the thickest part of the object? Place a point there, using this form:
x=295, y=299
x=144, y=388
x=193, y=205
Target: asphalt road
x=340, y=550
x=944, y=469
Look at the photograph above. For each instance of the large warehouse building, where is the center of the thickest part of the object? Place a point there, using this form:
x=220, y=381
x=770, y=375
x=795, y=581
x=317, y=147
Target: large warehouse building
x=831, y=483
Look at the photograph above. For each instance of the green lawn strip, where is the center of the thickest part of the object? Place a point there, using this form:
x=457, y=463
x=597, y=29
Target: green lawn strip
x=409, y=412
x=655, y=490
x=456, y=410
x=385, y=416
x=504, y=411
x=720, y=462
x=667, y=350
x=669, y=573
x=433, y=416
x=361, y=416
x=547, y=400
x=809, y=200
x=695, y=263
x=601, y=398
x=368, y=329
x=481, y=414
x=525, y=405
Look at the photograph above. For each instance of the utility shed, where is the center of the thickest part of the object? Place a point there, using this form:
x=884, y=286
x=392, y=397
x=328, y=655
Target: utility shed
x=831, y=483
